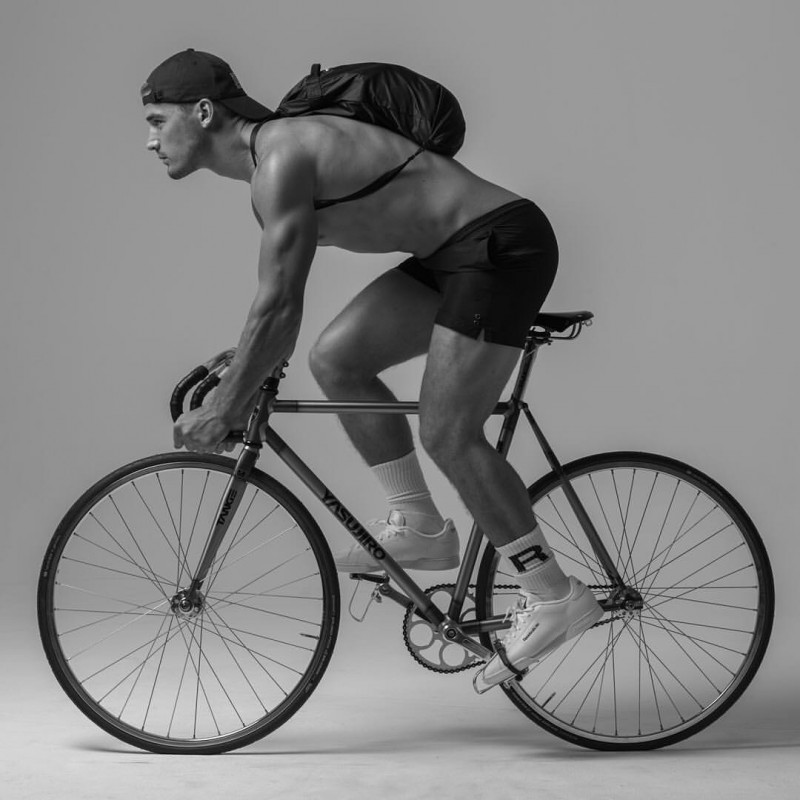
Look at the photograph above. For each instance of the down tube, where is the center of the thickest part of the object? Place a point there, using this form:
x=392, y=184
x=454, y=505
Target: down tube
x=356, y=530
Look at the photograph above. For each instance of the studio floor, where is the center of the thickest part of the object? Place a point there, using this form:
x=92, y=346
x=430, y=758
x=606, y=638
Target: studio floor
x=380, y=726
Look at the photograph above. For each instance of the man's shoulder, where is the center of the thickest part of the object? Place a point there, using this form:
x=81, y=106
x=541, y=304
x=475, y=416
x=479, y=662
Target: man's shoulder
x=290, y=134
x=278, y=145
x=285, y=163
x=276, y=136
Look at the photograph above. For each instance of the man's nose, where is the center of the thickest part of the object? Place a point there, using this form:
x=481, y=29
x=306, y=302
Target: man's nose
x=153, y=143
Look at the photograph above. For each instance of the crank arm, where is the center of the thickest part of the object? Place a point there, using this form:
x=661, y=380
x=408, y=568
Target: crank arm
x=454, y=634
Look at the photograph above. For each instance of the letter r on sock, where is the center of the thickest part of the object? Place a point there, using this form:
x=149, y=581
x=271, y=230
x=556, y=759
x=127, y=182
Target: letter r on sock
x=524, y=558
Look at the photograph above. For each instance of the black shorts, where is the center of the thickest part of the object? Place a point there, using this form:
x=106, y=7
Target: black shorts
x=493, y=274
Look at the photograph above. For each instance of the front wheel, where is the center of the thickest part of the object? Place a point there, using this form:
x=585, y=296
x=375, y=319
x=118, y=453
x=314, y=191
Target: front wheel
x=647, y=677
x=170, y=672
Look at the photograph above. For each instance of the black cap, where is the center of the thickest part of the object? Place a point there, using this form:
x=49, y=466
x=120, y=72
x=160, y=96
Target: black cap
x=192, y=75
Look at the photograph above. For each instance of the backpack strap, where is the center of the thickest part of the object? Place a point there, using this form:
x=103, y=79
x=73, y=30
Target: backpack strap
x=387, y=177
x=253, y=134
x=314, y=86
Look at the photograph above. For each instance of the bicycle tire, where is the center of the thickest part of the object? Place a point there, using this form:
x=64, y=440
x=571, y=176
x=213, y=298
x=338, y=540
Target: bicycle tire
x=256, y=652
x=629, y=698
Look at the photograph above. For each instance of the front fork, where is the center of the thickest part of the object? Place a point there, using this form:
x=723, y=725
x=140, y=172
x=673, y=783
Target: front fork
x=234, y=491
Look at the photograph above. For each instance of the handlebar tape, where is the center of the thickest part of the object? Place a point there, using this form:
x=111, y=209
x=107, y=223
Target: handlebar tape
x=202, y=390
x=182, y=389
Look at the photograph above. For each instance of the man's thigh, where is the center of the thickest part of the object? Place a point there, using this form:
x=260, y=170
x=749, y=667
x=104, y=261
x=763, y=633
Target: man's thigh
x=464, y=378
x=390, y=321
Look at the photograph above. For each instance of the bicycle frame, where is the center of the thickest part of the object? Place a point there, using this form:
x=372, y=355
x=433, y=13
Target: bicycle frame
x=259, y=433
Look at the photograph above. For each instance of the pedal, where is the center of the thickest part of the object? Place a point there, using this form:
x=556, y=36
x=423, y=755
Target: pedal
x=370, y=576
x=375, y=595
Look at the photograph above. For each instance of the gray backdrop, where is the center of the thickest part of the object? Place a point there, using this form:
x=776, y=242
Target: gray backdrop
x=660, y=138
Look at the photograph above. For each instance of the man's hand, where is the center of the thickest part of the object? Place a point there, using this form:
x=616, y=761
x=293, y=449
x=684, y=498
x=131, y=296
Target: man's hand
x=201, y=431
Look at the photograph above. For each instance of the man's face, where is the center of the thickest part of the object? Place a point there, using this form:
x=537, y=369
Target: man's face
x=176, y=137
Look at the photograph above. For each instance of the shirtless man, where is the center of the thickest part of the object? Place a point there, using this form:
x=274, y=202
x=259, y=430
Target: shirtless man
x=481, y=261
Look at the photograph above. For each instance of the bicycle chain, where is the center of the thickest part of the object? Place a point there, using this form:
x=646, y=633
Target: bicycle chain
x=415, y=652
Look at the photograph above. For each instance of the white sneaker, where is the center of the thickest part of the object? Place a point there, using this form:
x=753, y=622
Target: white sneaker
x=539, y=627
x=409, y=548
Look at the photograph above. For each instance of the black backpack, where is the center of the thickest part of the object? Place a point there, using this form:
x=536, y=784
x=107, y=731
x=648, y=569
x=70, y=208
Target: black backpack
x=391, y=96
x=387, y=95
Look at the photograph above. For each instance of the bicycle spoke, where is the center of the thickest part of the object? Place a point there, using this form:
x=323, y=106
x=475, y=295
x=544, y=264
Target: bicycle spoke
x=152, y=577
x=629, y=563
x=697, y=642
x=116, y=555
x=263, y=575
x=146, y=659
x=247, y=555
x=624, y=518
x=253, y=653
x=659, y=621
x=668, y=550
x=84, y=626
x=617, y=547
x=107, y=596
x=271, y=589
x=640, y=641
x=158, y=524
x=135, y=541
x=265, y=611
x=117, y=661
x=107, y=569
x=568, y=536
x=239, y=666
x=683, y=594
x=199, y=685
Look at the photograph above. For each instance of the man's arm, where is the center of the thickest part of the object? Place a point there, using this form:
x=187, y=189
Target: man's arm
x=283, y=191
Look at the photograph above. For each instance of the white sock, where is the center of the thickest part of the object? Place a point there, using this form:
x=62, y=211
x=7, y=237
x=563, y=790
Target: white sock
x=536, y=568
x=407, y=493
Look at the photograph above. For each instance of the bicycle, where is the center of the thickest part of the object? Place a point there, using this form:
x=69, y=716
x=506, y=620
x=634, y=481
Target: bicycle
x=189, y=603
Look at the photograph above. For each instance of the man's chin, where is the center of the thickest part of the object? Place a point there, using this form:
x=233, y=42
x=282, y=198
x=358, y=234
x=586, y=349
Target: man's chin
x=176, y=171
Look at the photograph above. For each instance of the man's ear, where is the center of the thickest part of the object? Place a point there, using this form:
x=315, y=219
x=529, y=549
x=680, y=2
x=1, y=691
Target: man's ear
x=204, y=111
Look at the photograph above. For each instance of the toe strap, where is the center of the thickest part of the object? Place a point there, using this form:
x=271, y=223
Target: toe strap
x=501, y=653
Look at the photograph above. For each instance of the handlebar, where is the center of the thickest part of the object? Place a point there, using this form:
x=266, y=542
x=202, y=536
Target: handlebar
x=182, y=389
x=206, y=377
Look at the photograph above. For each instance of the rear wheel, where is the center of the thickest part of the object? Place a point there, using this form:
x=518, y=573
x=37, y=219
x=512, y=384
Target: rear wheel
x=144, y=661
x=649, y=677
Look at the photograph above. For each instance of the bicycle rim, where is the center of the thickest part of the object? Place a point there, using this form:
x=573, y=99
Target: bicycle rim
x=651, y=677
x=198, y=680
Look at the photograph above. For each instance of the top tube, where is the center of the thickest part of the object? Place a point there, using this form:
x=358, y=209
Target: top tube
x=358, y=407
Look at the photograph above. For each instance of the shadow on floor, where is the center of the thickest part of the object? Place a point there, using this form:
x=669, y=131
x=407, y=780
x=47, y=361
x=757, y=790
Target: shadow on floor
x=748, y=725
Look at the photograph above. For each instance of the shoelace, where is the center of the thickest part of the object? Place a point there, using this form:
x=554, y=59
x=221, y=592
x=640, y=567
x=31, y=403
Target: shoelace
x=390, y=530
x=517, y=612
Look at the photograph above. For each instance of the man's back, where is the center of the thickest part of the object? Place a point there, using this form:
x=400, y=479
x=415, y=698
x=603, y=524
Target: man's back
x=432, y=197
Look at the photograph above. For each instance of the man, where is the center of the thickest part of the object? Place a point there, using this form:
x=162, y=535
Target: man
x=481, y=261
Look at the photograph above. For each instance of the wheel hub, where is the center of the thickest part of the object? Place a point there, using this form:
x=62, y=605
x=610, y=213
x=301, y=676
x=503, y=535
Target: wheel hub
x=187, y=603
x=628, y=599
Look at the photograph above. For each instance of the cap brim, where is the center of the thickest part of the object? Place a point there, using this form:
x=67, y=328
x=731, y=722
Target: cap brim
x=246, y=107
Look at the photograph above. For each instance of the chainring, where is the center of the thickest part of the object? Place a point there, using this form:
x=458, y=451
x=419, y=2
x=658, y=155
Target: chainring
x=429, y=647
